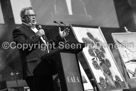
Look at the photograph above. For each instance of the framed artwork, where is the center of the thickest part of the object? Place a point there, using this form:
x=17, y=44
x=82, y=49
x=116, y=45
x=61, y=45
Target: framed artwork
x=99, y=58
x=126, y=44
x=86, y=83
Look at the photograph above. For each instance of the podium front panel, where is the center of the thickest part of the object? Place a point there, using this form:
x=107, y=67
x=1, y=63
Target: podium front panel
x=71, y=72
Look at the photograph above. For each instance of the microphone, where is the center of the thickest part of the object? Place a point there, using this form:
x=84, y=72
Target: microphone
x=38, y=27
x=43, y=38
x=57, y=23
x=62, y=23
x=65, y=26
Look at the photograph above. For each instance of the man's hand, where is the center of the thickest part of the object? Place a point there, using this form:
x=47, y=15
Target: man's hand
x=63, y=33
x=40, y=32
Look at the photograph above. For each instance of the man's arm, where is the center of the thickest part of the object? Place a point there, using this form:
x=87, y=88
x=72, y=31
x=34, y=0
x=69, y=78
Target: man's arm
x=20, y=38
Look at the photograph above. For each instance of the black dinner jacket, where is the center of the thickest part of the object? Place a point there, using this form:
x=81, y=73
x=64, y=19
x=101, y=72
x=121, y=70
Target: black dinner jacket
x=31, y=57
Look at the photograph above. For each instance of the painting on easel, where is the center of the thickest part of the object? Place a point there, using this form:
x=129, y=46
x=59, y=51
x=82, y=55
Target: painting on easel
x=126, y=44
x=99, y=58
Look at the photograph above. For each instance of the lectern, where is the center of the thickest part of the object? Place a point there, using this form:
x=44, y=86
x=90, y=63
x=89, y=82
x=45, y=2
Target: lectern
x=68, y=68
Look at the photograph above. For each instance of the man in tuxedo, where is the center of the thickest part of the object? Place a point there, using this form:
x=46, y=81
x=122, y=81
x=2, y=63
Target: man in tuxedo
x=36, y=68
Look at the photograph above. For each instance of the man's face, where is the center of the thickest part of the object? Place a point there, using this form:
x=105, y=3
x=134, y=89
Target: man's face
x=30, y=17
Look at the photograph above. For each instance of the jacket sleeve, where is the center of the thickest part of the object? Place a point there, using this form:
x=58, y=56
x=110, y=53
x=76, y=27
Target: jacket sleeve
x=20, y=38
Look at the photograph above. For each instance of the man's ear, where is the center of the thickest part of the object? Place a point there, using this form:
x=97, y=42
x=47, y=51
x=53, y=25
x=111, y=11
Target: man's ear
x=25, y=19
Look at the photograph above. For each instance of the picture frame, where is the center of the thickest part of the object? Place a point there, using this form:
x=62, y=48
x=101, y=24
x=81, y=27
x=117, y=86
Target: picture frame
x=99, y=58
x=126, y=45
x=86, y=83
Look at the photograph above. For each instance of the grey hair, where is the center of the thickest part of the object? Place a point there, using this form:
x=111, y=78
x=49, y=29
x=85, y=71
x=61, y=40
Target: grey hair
x=23, y=11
